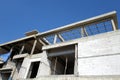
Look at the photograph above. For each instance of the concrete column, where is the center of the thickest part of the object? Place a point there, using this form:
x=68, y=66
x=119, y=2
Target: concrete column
x=76, y=60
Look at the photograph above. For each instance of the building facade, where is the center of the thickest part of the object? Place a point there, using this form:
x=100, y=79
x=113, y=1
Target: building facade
x=83, y=50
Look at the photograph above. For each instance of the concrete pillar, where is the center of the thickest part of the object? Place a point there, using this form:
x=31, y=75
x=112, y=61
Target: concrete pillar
x=76, y=60
x=44, y=68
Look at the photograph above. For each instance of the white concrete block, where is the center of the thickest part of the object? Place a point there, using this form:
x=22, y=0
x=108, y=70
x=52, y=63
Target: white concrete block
x=105, y=65
x=101, y=46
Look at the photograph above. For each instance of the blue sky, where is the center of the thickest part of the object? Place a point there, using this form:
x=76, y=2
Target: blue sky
x=20, y=16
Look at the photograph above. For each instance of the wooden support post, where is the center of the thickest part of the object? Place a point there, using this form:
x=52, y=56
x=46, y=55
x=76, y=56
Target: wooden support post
x=40, y=41
x=55, y=65
x=113, y=25
x=9, y=58
x=33, y=48
x=46, y=40
x=86, y=34
x=82, y=32
x=61, y=38
x=66, y=64
x=55, y=39
x=22, y=49
x=11, y=49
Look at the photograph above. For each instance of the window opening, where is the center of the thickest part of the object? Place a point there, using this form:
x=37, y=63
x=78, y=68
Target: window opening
x=33, y=69
x=62, y=65
x=62, y=60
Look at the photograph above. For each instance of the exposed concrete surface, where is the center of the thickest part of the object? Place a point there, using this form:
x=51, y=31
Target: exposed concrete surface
x=44, y=68
x=100, y=56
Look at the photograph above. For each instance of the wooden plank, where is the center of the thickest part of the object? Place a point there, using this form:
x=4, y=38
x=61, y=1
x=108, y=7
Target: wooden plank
x=22, y=49
x=46, y=40
x=61, y=38
x=33, y=48
x=55, y=39
x=82, y=32
x=113, y=25
x=41, y=42
x=85, y=31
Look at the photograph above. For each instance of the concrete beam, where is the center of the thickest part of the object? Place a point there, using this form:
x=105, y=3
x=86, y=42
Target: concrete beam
x=6, y=69
x=61, y=53
x=20, y=56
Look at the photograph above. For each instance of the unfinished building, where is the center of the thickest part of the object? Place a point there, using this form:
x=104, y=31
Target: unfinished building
x=87, y=48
